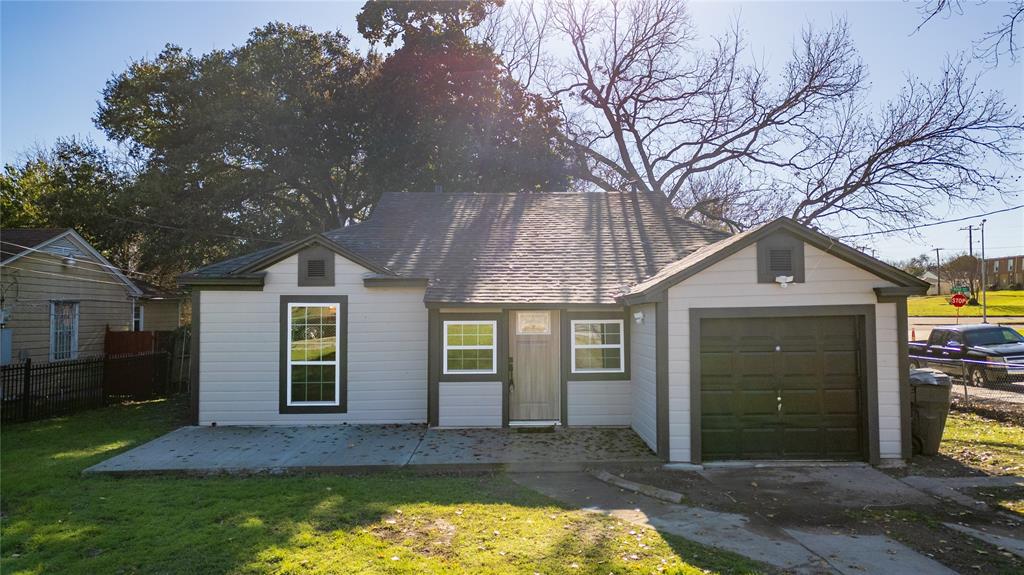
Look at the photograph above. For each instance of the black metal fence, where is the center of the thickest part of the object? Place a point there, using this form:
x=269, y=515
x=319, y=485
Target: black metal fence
x=36, y=391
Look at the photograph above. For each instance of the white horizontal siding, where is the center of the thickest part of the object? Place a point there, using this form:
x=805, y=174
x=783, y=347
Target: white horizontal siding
x=644, y=413
x=599, y=403
x=732, y=282
x=469, y=404
x=239, y=351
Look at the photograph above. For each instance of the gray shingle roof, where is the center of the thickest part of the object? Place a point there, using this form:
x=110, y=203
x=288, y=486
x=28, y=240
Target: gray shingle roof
x=550, y=248
x=524, y=247
x=13, y=241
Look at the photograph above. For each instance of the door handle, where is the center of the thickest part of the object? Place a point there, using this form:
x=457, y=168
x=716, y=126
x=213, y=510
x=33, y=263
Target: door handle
x=511, y=374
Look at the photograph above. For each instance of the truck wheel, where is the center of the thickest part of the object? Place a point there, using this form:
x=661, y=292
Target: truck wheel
x=977, y=377
x=915, y=364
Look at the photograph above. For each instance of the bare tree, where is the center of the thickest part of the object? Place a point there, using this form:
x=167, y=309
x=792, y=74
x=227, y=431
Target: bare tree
x=997, y=42
x=645, y=107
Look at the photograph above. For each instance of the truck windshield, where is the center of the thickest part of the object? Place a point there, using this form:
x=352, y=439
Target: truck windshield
x=994, y=336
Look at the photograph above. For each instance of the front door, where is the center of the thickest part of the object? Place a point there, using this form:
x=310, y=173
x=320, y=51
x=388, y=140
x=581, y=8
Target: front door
x=533, y=351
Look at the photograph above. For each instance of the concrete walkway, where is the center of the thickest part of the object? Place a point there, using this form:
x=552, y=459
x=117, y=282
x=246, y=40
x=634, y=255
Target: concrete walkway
x=802, y=551
x=355, y=448
x=949, y=487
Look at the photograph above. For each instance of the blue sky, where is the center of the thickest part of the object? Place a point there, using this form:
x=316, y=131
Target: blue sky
x=56, y=56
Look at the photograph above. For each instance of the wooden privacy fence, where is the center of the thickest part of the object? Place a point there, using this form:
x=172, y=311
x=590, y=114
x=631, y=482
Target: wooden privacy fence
x=29, y=392
x=174, y=343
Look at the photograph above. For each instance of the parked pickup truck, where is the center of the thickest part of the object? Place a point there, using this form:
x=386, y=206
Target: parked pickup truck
x=980, y=353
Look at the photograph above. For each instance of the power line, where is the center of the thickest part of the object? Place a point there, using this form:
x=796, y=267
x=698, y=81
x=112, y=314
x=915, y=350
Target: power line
x=79, y=278
x=909, y=228
x=110, y=266
x=195, y=231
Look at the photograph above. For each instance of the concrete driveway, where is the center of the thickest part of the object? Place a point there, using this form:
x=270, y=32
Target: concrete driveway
x=354, y=448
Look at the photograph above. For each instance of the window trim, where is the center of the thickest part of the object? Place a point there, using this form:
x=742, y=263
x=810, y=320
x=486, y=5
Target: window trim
x=285, y=404
x=73, y=352
x=140, y=318
x=445, y=347
x=573, y=346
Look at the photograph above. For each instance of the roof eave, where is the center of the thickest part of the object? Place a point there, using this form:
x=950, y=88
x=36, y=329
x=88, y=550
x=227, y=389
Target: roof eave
x=817, y=239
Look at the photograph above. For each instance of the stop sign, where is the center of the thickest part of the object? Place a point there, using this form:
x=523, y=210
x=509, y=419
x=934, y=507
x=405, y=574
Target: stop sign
x=958, y=300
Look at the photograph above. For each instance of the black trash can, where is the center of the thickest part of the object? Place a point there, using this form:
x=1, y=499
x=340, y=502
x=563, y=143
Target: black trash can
x=929, y=405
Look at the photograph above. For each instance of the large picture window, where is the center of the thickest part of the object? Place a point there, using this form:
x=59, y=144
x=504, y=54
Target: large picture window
x=597, y=346
x=470, y=347
x=313, y=338
x=63, y=330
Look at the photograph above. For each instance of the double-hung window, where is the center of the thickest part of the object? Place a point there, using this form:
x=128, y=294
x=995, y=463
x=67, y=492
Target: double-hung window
x=470, y=347
x=63, y=330
x=597, y=346
x=138, y=321
x=313, y=371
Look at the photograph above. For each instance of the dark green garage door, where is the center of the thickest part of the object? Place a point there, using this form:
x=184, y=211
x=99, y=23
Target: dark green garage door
x=781, y=388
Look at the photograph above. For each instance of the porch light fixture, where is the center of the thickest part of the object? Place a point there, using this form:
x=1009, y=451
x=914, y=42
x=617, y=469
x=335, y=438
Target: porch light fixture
x=638, y=317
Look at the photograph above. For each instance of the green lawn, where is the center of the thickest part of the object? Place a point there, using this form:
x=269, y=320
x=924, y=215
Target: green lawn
x=1000, y=303
x=54, y=520
x=995, y=447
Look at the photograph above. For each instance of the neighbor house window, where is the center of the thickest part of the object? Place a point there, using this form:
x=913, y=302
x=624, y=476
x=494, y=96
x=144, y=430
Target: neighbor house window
x=597, y=346
x=470, y=347
x=138, y=323
x=63, y=330
x=313, y=370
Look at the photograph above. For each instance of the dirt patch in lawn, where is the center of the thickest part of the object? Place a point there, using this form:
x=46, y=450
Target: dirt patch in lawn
x=851, y=501
x=426, y=536
x=1008, y=499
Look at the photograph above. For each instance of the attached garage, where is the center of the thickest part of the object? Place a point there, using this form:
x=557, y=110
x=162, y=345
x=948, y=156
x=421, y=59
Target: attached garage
x=782, y=388
x=781, y=343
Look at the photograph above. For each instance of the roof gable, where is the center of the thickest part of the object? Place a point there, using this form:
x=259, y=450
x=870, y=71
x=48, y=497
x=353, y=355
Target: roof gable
x=22, y=238
x=704, y=258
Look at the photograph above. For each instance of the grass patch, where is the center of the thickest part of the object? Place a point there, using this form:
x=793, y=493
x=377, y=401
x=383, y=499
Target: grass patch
x=994, y=447
x=57, y=521
x=1000, y=303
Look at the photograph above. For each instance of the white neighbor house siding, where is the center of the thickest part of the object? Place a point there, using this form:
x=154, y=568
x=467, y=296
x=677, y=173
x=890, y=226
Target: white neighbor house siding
x=469, y=404
x=599, y=403
x=644, y=415
x=239, y=351
x=732, y=282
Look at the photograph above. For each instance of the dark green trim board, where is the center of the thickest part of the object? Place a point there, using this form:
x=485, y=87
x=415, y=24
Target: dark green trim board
x=342, y=352
x=433, y=365
x=193, y=367
x=393, y=282
x=895, y=294
x=468, y=306
x=866, y=315
x=903, y=349
x=661, y=378
x=503, y=361
x=567, y=360
x=250, y=282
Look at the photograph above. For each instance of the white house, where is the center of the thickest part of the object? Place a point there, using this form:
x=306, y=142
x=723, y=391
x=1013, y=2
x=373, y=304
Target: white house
x=571, y=309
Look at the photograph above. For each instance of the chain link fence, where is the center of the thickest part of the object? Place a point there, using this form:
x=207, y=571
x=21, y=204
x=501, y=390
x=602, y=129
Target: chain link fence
x=990, y=388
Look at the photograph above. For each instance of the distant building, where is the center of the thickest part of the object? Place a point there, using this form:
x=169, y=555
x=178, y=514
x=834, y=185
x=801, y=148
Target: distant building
x=1005, y=272
x=937, y=287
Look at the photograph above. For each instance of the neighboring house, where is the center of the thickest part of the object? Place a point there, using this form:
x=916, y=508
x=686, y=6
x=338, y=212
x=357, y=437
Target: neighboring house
x=1005, y=272
x=578, y=309
x=58, y=295
x=935, y=287
x=156, y=309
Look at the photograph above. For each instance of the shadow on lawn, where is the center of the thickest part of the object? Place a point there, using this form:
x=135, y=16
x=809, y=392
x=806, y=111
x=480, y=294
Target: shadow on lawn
x=57, y=521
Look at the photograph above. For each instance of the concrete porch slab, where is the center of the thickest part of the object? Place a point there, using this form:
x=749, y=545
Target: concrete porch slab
x=356, y=448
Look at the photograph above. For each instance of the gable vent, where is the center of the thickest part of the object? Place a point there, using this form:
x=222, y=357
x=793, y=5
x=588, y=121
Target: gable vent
x=780, y=261
x=316, y=268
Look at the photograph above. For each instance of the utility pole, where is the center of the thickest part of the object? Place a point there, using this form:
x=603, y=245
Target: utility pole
x=970, y=250
x=938, y=272
x=984, y=281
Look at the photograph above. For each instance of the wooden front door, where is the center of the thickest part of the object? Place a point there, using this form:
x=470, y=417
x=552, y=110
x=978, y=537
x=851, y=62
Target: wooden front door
x=534, y=349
